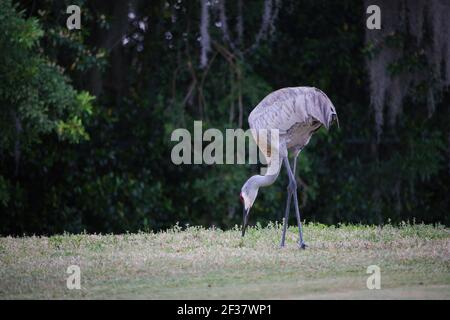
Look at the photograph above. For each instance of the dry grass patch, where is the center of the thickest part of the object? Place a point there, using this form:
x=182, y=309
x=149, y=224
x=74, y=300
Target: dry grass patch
x=211, y=263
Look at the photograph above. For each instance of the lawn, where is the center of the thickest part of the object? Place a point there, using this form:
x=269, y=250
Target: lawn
x=198, y=263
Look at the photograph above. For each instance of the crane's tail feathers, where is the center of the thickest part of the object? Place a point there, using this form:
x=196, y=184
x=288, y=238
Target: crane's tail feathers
x=337, y=122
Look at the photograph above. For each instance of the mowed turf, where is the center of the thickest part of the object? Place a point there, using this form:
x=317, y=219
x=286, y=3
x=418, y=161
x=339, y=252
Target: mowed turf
x=197, y=263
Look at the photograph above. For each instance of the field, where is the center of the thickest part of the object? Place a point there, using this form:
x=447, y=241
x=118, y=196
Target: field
x=197, y=263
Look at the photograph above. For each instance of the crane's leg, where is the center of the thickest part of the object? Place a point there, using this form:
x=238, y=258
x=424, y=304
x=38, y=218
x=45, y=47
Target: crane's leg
x=299, y=222
x=286, y=216
x=297, y=211
x=291, y=187
x=294, y=164
x=293, y=190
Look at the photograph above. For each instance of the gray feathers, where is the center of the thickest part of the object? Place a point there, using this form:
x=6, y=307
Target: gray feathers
x=297, y=112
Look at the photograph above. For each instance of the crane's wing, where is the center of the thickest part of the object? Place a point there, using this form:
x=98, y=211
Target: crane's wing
x=284, y=108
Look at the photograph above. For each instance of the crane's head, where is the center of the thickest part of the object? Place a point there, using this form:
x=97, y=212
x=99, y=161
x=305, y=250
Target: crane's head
x=248, y=196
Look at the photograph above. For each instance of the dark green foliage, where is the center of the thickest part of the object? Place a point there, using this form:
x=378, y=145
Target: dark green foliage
x=41, y=113
x=69, y=166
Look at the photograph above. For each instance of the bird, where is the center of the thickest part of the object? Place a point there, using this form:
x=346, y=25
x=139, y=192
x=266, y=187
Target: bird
x=296, y=113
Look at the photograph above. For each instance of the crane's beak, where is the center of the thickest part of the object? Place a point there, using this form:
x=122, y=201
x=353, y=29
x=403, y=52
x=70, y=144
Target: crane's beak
x=244, y=220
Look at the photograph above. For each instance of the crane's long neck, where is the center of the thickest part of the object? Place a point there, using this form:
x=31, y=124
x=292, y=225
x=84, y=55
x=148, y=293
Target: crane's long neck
x=263, y=181
x=250, y=188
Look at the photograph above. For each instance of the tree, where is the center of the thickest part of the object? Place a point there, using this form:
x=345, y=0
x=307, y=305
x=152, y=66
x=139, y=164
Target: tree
x=38, y=103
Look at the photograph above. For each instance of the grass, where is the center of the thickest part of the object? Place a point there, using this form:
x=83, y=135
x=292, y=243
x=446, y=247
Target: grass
x=198, y=263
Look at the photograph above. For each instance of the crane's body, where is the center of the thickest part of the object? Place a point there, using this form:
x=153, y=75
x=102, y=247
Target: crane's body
x=296, y=113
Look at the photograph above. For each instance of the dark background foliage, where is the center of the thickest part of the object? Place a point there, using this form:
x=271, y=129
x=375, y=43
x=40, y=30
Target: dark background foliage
x=87, y=116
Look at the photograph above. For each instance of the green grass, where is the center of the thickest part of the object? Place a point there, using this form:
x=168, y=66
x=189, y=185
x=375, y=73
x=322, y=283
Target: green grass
x=199, y=263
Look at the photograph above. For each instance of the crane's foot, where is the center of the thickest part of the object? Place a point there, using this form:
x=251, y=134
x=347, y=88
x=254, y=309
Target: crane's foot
x=302, y=245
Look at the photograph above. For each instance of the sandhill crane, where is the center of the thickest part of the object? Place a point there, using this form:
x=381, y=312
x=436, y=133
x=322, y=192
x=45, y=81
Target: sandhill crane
x=296, y=113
